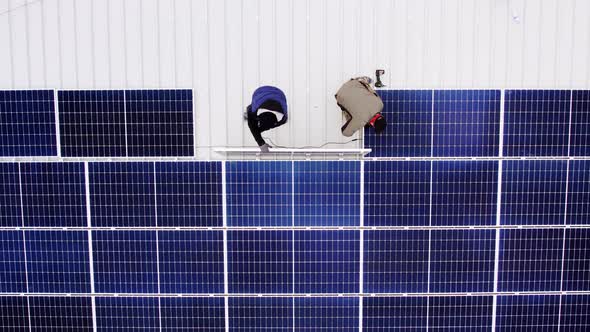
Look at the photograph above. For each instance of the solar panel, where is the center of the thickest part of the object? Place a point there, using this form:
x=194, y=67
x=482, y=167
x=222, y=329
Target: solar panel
x=466, y=123
x=327, y=262
x=125, y=261
x=397, y=193
x=53, y=194
x=122, y=194
x=574, y=312
x=536, y=122
x=190, y=262
x=60, y=313
x=528, y=312
x=14, y=313
x=576, y=260
x=395, y=313
x=462, y=261
x=580, y=124
x=327, y=193
x=468, y=313
x=530, y=260
x=260, y=261
x=409, y=125
x=127, y=313
x=192, y=314
x=27, y=123
x=449, y=236
x=396, y=261
x=92, y=123
x=533, y=192
x=326, y=314
x=12, y=262
x=189, y=194
x=464, y=193
x=10, y=205
x=259, y=193
x=58, y=262
x=260, y=313
x=578, y=193
x=159, y=123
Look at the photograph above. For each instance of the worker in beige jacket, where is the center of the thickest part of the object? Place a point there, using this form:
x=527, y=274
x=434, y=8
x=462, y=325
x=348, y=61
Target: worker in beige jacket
x=361, y=105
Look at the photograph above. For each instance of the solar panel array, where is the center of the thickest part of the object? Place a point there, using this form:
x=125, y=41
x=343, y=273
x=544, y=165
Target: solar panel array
x=472, y=213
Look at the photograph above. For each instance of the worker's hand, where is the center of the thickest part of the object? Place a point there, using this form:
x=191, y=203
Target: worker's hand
x=264, y=148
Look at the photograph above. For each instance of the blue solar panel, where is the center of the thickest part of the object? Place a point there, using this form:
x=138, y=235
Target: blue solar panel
x=260, y=261
x=394, y=313
x=536, y=122
x=10, y=204
x=260, y=313
x=27, y=123
x=464, y=193
x=580, y=124
x=395, y=261
x=12, y=262
x=472, y=313
x=576, y=265
x=575, y=313
x=462, y=260
x=122, y=194
x=578, y=195
x=327, y=314
x=14, y=314
x=409, y=125
x=533, y=192
x=192, y=314
x=189, y=194
x=127, y=313
x=530, y=260
x=125, y=261
x=397, y=193
x=327, y=261
x=259, y=193
x=327, y=193
x=61, y=313
x=159, y=122
x=522, y=313
x=466, y=123
x=58, y=261
x=191, y=261
x=53, y=194
x=92, y=123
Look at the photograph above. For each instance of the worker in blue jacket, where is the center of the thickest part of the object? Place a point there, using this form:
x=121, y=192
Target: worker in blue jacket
x=260, y=118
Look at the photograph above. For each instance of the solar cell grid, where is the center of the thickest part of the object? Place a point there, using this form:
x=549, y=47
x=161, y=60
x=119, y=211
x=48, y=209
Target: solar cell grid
x=10, y=205
x=397, y=193
x=327, y=314
x=27, y=123
x=92, y=123
x=14, y=314
x=527, y=313
x=394, y=313
x=409, y=125
x=260, y=314
x=159, y=122
x=466, y=123
x=536, y=122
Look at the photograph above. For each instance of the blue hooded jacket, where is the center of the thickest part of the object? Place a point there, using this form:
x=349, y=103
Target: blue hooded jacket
x=270, y=98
